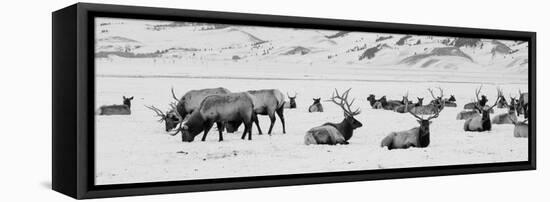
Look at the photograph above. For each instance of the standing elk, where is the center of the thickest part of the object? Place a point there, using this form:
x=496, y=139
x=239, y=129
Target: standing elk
x=434, y=106
x=192, y=99
x=219, y=109
x=123, y=109
x=266, y=102
x=316, y=106
x=336, y=133
x=171, y=118
x=292, y=101
x=416, y=137
x=507, y=118
x=483, y=122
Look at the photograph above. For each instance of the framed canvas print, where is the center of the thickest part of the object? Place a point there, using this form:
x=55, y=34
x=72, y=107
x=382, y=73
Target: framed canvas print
x=155, y=100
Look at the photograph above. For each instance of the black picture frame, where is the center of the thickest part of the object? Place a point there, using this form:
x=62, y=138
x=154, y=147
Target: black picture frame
x=73, y=97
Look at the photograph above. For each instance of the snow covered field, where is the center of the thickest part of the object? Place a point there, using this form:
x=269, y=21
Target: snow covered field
x=135, y=148
x=145, y=58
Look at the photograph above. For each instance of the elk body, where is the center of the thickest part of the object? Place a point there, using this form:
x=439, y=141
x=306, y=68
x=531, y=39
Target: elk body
x=336, y=133
x=266, y=102
x=219, y=109
x=316, y=106
x=185, y=105
x=481, y=102
x=192, y=99
x=432, y=108
x=407, y=107
x=483, y=122
x=521, y=129
x=466, y=114
x=374, y=103
x=415, y=137
x=292, y=101
x=269, y=102
x=450, y=102
x=123, y=109
x=506, y=118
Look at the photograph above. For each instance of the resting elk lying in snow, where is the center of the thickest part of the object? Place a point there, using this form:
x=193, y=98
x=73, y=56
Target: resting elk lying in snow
x=191, y=100
x=521, y=129
x=507, y=118
x=502, y=103
x=408, y=104
x=219, y=109
x=123, y=109
x=292, y=101
x=316, y=106
x=450, y=102
x=374, y=103
x=266, y=102
x=433, y=107
x=415, y=137
x=467, y=114
x=336, y=133
x=171, y=118
x=483, y=122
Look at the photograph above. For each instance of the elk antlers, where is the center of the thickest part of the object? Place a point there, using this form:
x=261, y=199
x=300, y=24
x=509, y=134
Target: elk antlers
x=174, y=95
x=158, y=112
x=342, y=101
x=438, y=109
x=499, y=95
x=295, y=94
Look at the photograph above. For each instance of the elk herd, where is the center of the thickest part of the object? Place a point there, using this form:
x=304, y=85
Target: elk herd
x=197, y=111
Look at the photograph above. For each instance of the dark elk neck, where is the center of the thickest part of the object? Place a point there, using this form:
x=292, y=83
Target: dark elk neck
x=423, y=136
x=486, y=123
x=345, y=128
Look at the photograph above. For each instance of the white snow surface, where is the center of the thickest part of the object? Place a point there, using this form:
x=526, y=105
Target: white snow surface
x=135, y=148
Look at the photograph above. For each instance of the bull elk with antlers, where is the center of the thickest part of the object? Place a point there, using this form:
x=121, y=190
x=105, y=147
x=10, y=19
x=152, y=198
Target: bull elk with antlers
x=483, y=122
x=171, y=118
x=435, y=105
x=336, y=133
x=415, y=137
x=219, y=109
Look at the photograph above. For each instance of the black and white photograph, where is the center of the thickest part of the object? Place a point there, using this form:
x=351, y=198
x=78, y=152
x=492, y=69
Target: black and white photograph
x=189, y=100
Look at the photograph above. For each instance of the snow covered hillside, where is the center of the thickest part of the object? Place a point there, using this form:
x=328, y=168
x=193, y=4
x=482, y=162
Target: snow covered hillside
x=239, y=46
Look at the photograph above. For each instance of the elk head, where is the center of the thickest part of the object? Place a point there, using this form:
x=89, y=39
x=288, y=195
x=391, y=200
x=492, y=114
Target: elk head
x=292, y=100
x=452, y=99
x=127, y=101
x=171, y=118
x=316, y=100
x=405, y=98
x=424, y=129
x=342, y=101
x=502, y=102
x=437, y=100
x=485, y=110
x=420, y=101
